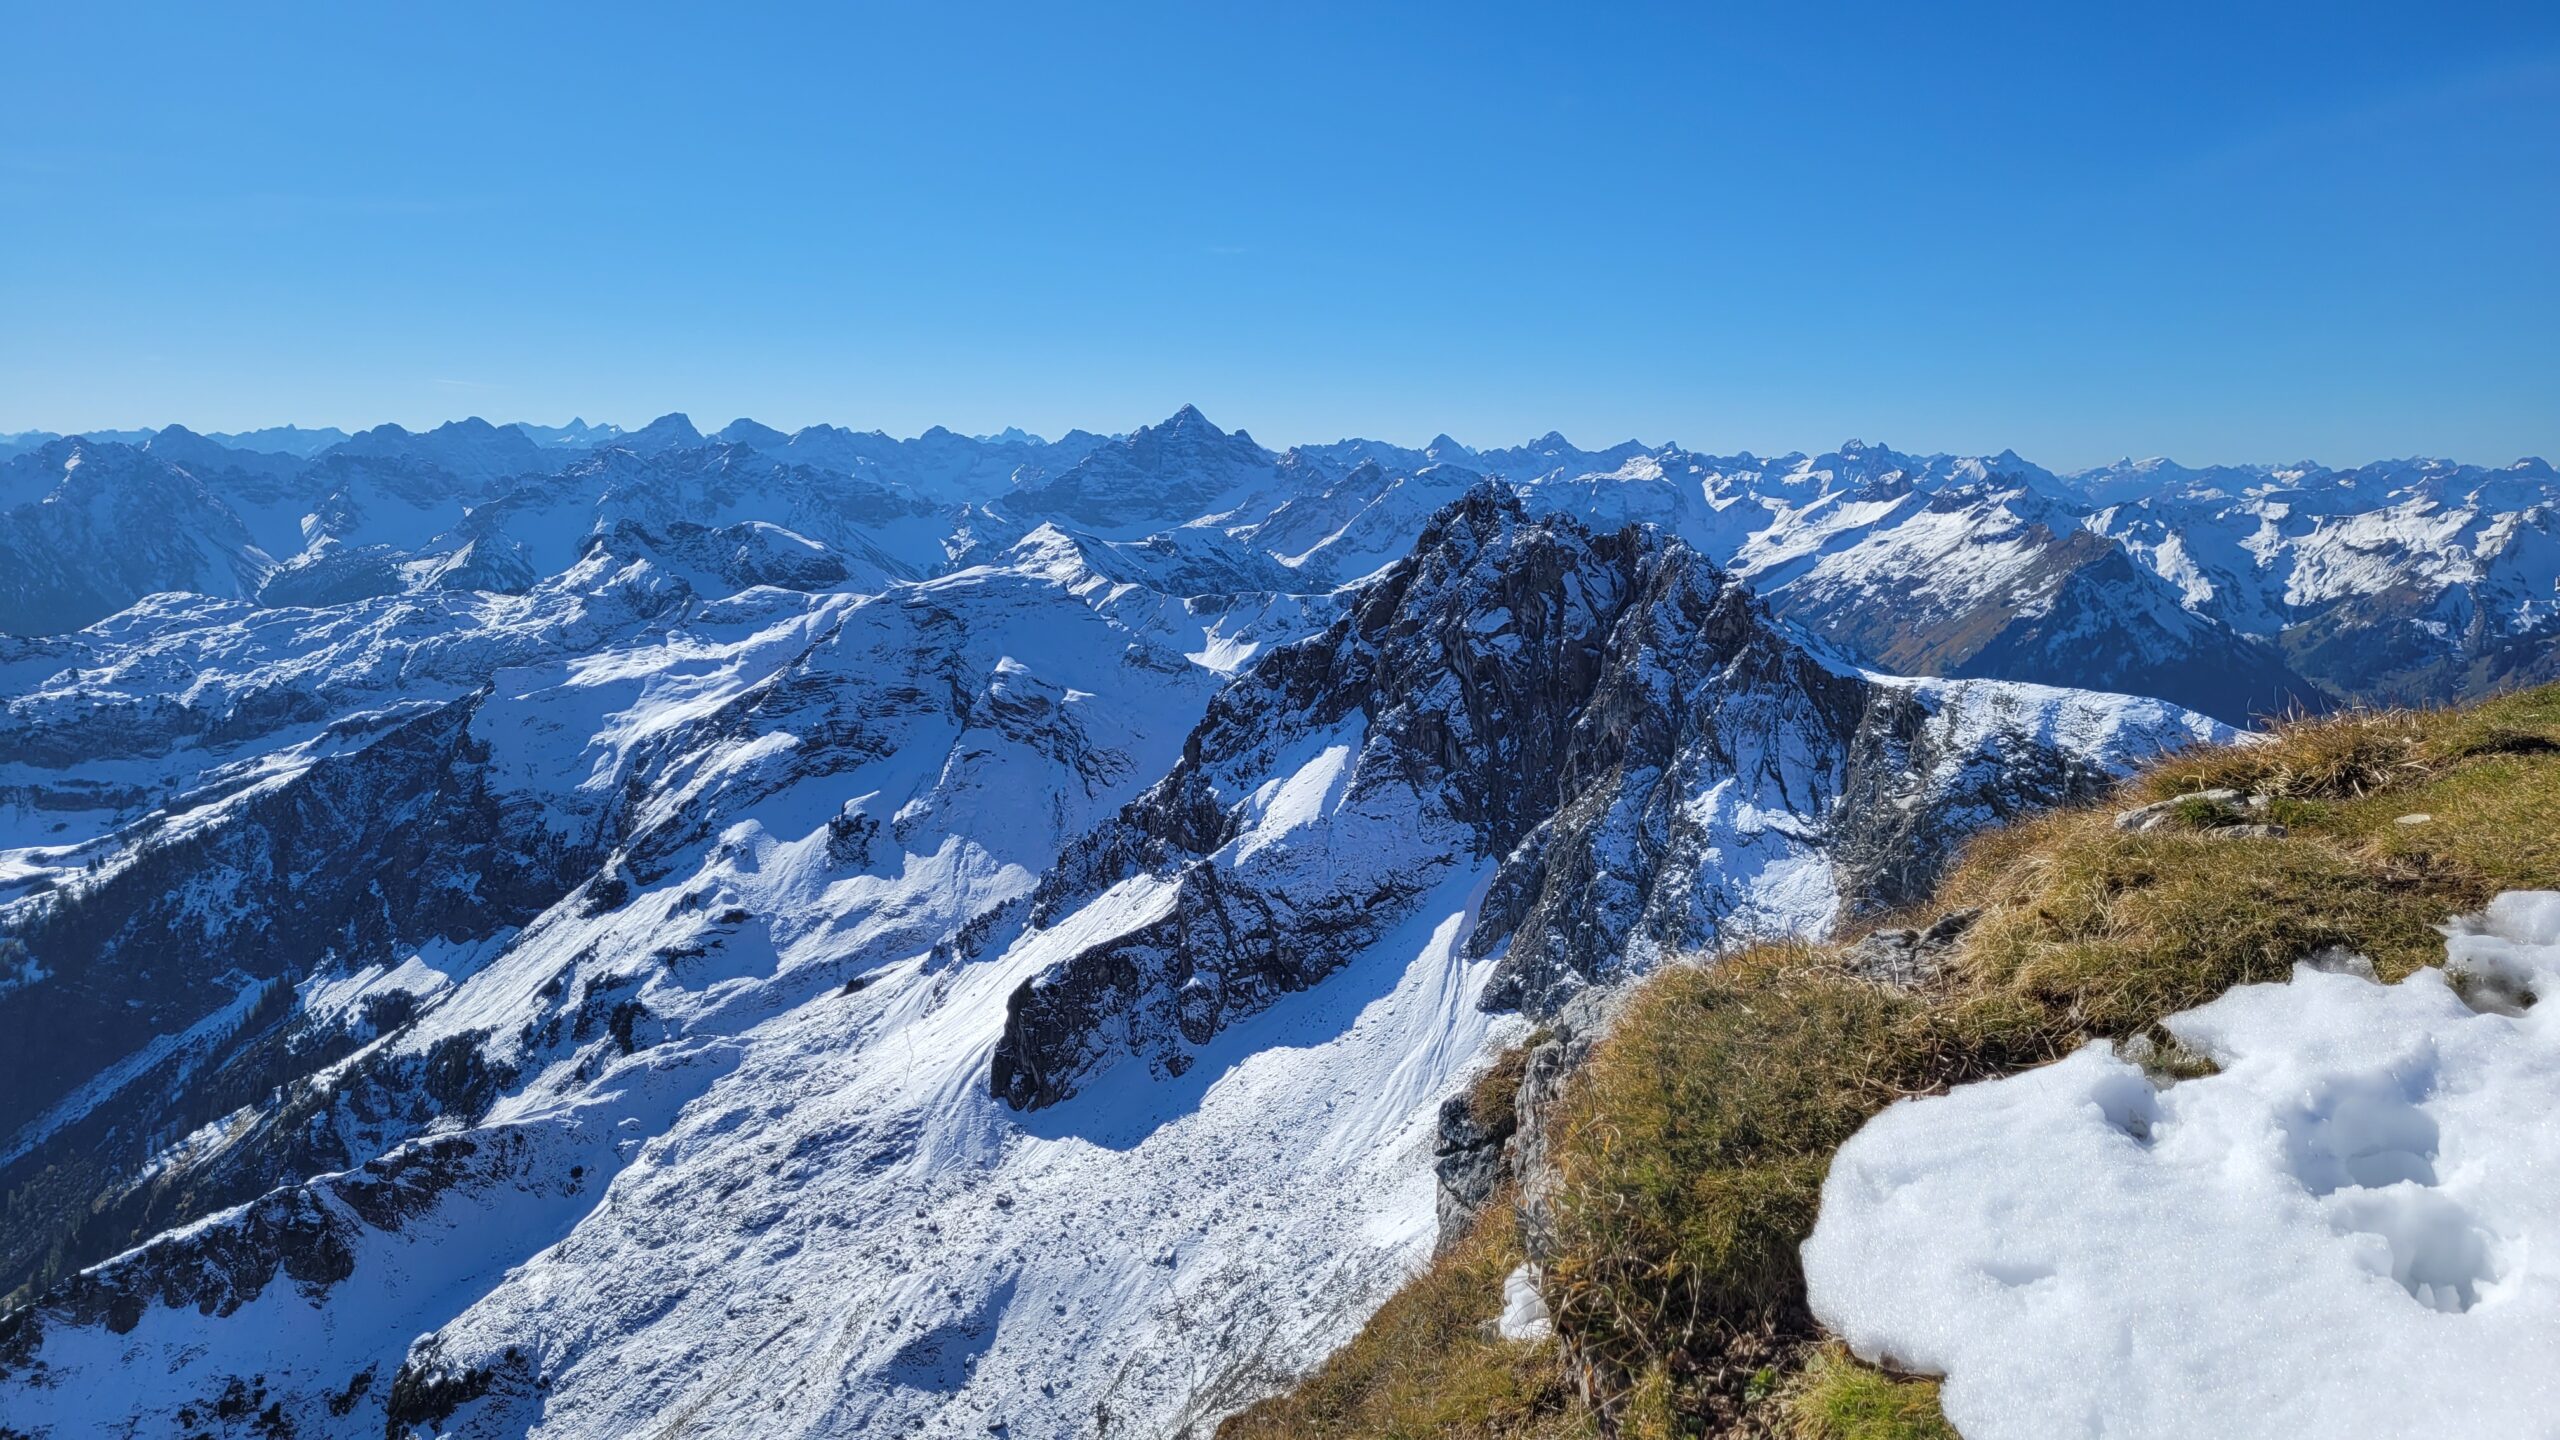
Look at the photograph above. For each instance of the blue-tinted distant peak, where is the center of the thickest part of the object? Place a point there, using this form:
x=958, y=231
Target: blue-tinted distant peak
x=671, y=431
x=751, y=433
x=576, y=434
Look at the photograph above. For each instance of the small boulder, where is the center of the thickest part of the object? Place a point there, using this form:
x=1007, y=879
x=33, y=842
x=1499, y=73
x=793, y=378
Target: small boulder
x=1909, y=957
x=2215, y=812
x=2164, y=814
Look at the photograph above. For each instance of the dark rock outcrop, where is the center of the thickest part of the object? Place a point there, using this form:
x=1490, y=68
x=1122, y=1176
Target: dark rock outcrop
x=1459, y=674
x=306, y=1234
x=1469, y=1158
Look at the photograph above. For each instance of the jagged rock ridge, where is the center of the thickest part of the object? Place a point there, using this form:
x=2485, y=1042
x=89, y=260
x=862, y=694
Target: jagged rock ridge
x=1656, y=767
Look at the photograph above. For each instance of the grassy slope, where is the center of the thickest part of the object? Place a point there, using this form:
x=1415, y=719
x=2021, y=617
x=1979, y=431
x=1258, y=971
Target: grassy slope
x=1693, y=1144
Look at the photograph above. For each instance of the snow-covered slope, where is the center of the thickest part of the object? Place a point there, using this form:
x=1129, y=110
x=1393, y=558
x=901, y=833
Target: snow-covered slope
x=618, y=1005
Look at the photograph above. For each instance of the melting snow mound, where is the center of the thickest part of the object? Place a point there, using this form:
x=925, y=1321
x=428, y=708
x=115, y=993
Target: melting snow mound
x=2351, y=1229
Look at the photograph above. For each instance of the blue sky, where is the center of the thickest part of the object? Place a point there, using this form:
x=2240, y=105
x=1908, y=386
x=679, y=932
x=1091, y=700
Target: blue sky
x=2213, y=231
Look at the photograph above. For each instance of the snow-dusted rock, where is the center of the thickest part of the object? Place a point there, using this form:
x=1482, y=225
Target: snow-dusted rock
x=1648, y=762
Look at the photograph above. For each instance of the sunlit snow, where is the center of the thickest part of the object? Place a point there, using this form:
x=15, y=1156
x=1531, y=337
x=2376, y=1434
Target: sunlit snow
x=2351, y=1228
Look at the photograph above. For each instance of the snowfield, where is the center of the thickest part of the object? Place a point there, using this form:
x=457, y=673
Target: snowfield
x=2351, y=1227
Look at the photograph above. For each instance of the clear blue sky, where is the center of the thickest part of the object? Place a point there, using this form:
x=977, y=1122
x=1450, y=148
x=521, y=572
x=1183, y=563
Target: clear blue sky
x=2212, y=231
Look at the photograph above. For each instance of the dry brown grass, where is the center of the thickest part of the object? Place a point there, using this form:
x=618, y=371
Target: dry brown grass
x=2336, y=756
x=1494, y=1091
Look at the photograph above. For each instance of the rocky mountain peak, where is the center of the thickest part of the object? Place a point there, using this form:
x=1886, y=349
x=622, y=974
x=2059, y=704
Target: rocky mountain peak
x=1183, y=466
x=671, y=431
x=1607, y=725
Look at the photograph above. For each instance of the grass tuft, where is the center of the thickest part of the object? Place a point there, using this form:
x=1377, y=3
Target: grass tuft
x=2341, y=755
x=1836, y=1398
x=1691, y=1149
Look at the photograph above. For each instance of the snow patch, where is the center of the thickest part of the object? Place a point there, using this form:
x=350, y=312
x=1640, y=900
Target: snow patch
x=1524, y=1311
x=2345, y=1230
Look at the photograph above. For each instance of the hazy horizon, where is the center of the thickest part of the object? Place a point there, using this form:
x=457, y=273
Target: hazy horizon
x=1412, y=441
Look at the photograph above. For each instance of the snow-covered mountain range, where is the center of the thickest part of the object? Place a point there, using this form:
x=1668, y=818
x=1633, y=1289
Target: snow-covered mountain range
x=574, y=932
x=2234, y=589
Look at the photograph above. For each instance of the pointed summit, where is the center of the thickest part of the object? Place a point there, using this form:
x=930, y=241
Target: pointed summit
x=577, y=433
x=1161, y=475
x=1188, y=420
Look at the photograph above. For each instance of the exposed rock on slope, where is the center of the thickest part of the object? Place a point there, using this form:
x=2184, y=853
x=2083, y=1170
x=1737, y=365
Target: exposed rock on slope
x=1655, y=766
x=1159, y=476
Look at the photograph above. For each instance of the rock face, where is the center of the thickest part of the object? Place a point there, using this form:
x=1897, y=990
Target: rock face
x=1469, y=1160
x=1183, y=467
x=1575, y=1029
x=1655, y=767
x=1326, y=789
x=203, y=932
